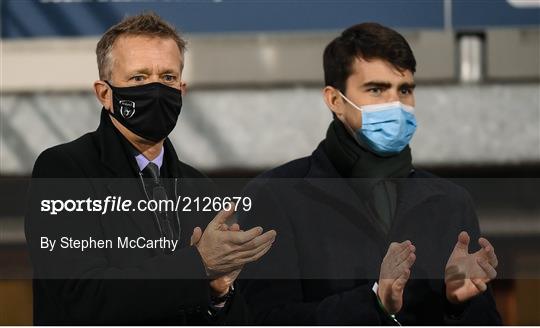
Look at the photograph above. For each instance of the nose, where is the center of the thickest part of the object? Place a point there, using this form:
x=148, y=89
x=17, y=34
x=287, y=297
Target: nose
x=393, y=95
x=153, y=78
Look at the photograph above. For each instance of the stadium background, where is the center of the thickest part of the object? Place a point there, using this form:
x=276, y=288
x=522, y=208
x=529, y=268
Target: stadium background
x=254, y=71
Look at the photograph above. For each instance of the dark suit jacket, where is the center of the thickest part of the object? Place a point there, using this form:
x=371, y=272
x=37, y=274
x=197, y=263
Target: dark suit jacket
x=328, y=251
x=114, y=286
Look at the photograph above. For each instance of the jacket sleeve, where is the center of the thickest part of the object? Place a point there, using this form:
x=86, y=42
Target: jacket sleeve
x=273, y=286
x=480, y=310
x=83, y=284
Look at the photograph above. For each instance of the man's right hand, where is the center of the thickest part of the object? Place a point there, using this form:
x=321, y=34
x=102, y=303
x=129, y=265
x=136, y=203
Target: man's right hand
x=224, y=251
x=395, y=271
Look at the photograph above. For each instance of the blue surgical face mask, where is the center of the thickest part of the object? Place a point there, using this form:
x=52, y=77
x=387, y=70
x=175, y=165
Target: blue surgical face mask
x=386, y=128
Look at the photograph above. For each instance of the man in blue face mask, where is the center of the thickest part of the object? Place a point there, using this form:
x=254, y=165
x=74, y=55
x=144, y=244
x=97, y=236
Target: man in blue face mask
x=364, y=237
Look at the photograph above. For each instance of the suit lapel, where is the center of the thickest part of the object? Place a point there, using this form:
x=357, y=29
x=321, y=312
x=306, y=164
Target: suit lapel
x=124, y=181
x=326, y=180
x=130, y=189
x=414, y=191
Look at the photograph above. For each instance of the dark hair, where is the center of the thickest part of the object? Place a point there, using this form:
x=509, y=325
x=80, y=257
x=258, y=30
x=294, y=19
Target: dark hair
x=146, y=24
x=368, y=41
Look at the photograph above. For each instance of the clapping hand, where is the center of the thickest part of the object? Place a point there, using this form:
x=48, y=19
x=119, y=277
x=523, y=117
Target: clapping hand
x=395, y=272
x=466, y=275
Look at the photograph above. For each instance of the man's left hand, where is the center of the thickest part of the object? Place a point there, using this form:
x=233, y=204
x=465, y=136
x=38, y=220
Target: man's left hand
x=466, y=275
x=221, y=285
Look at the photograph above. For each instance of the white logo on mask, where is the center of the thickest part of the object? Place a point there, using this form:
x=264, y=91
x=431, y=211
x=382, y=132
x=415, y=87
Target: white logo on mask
x=127, y=108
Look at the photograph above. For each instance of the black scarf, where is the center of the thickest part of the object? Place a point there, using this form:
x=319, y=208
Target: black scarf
x=353, y=159
x=368, y=174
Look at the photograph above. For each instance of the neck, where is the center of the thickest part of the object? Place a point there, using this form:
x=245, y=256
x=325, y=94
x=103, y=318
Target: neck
x=149, y=149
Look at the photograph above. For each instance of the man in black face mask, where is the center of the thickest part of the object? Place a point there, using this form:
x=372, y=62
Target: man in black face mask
x=140, y=63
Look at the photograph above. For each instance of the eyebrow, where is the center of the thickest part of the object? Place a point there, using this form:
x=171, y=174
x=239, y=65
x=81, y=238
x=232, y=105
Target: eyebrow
x=407, y=85
x=139, y=71
x=148, y=71
x=168, y=71
x=387, y=85
x=377, y=84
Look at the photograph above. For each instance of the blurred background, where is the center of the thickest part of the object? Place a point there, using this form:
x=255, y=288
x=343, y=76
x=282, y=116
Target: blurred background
x=254, y=74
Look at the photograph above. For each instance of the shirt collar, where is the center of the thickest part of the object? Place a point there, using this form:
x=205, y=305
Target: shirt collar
x=143, y=161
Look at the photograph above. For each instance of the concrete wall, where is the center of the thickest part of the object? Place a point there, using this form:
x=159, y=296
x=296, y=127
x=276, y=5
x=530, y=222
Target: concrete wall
x=254, y=98
x=253, y=128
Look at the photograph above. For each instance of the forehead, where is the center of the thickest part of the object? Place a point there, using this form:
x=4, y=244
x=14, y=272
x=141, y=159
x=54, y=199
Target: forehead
x=378, y=69
x=134, y=52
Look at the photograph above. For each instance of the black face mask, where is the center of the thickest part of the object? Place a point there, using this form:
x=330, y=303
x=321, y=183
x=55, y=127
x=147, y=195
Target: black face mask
x=150, y=110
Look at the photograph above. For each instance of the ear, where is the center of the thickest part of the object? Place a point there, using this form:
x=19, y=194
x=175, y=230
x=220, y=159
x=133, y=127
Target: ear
x=103, y=94
x=333, y=100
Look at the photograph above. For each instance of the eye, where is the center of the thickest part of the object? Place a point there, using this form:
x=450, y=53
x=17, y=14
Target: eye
x=169, y=78
x=406, y=91
x=375, y=91
x=137, y=78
